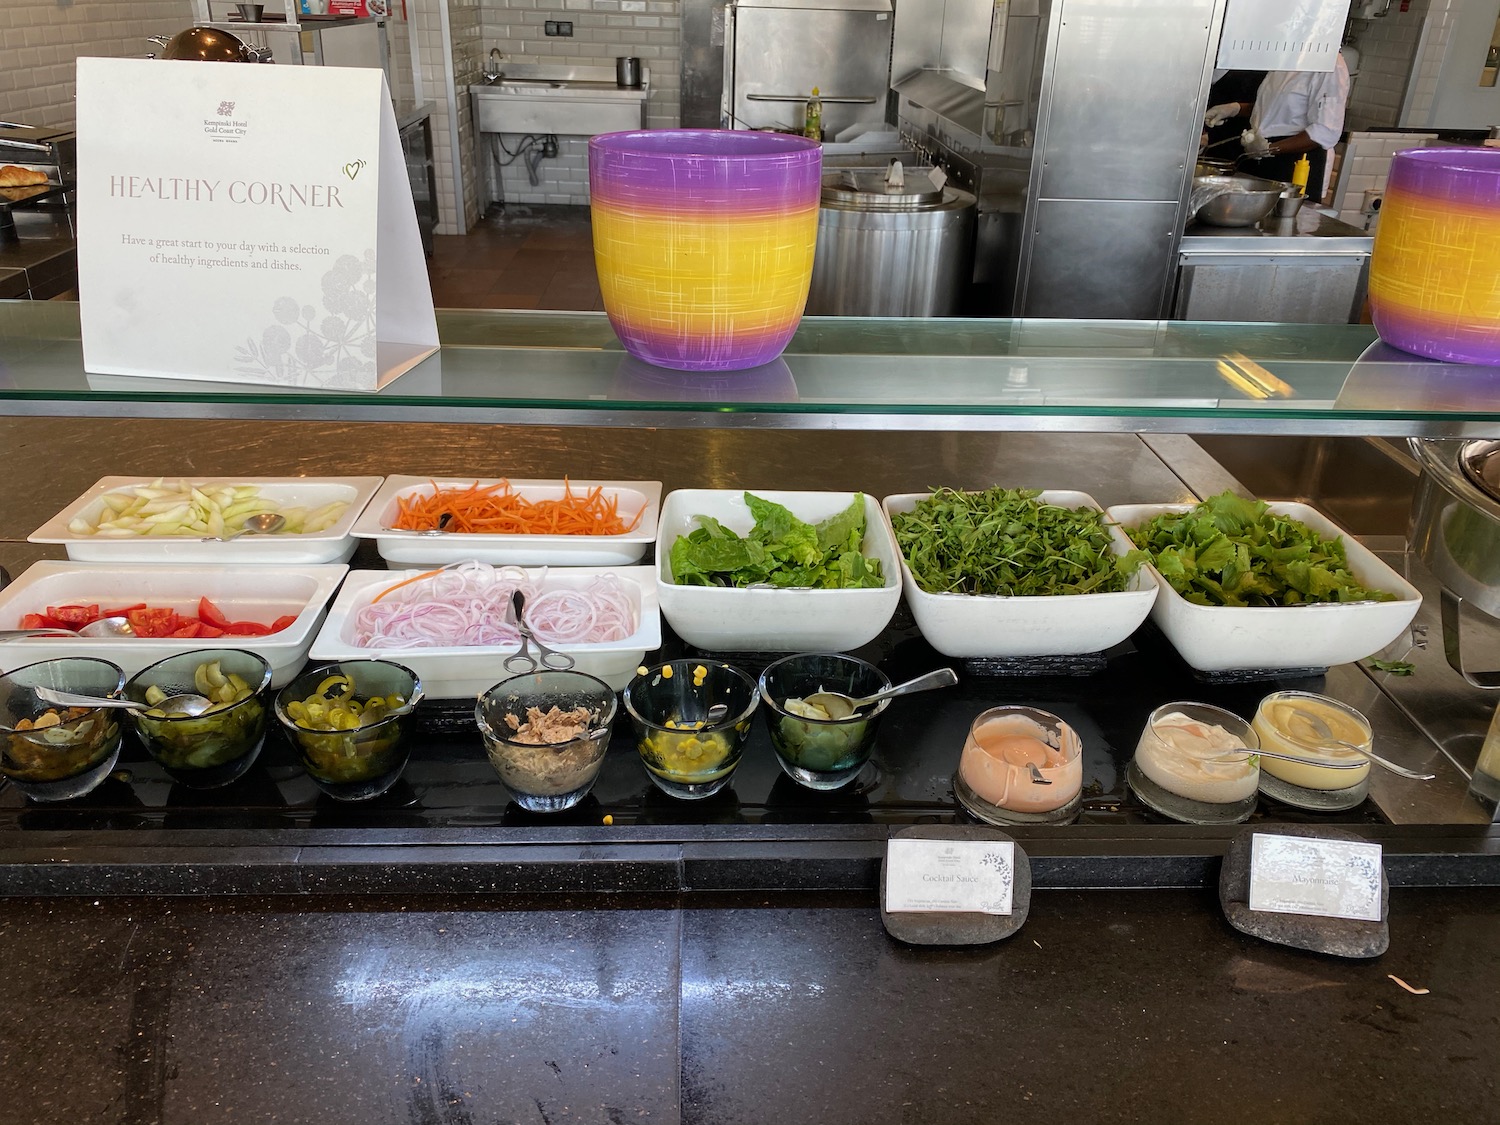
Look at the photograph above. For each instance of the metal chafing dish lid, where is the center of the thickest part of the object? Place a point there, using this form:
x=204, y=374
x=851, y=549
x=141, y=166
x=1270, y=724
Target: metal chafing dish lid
x=867, y=187
x=1480, y=461
x=208, y=44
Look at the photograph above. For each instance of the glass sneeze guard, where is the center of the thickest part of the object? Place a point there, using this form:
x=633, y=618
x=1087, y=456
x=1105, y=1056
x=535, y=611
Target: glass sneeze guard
x=568, y=368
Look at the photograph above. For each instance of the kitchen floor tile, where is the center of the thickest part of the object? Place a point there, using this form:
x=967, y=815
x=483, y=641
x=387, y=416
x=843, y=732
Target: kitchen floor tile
x=525, y=256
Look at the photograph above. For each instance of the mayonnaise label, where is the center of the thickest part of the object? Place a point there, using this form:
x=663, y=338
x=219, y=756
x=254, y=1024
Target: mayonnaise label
x=1307, y=875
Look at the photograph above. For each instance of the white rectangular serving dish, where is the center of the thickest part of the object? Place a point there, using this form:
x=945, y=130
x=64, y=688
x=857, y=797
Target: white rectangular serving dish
x=465, y=671
x=995, y=627
x=722, y=619
x=262, y=594
x=333, y=545
x=413, y=548
x=1233, y=638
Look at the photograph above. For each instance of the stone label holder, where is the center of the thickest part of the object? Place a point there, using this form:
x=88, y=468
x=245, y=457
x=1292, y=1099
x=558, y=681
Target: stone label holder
x=960, y=928
x=1337, y=937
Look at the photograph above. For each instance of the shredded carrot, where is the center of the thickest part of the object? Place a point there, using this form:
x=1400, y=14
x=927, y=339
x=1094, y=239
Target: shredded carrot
x=497, y=509
x=405, y=582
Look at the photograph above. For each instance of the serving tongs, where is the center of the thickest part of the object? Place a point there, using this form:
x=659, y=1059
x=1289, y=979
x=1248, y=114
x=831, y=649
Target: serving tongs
x=521, y=660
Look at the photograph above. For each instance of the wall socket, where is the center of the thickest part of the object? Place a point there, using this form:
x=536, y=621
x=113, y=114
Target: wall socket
x=559, y=27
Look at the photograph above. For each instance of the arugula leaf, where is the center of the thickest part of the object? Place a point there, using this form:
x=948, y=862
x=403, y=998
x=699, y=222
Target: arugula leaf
x=1394, y=667
x=1230, y=551
x=1002, y=541
x=780, y=549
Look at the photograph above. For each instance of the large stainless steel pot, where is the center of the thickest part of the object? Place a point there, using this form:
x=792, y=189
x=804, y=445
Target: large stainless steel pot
x=1455, y=528
x=887, y=249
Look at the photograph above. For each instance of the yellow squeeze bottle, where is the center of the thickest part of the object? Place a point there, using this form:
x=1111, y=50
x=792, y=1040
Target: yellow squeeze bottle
x=1300, y=172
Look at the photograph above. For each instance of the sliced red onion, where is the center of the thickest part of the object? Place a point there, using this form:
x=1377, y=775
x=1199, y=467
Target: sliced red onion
x=468, y=604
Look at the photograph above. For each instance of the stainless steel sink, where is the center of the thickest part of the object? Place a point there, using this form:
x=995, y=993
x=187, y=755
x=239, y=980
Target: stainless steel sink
x=567, y=100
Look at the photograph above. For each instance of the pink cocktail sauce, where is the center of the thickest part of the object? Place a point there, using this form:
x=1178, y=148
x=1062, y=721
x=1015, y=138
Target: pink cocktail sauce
x=996, y=762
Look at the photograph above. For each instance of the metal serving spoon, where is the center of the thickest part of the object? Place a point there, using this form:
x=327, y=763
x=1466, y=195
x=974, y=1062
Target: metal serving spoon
x=186, y=704
x=841, y=706
x=263, y=524
x=104, y=627
x=1246, y=754
x=442, y=524
x=1325, y=736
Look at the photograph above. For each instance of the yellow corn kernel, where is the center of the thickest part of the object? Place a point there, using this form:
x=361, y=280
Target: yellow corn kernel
x=666, y=673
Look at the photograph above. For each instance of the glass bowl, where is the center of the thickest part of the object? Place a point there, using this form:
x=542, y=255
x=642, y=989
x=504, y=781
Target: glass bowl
x=69, y=757
x=1330, y=778
x=821, y=753
x=669, y=704
x=216, y=748
x=347, y=720
x=547, y=766
x=1020, y=765
x=1186, y=764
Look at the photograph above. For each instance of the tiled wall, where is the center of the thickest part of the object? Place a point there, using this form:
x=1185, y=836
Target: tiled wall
x=41, y=39
x=464, y=27
x=1437, y=28
x=602, y=29
x=561, y=179
x=1365, y=167
x=1387, y=47
x=447, y=33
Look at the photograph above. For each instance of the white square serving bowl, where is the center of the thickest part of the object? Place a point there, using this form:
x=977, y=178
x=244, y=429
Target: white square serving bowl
x=722, y=619
x=332, y=545
x=464, y=671
x=996, y=627
x=1235, y=638
x=263, y=594
x=413, y=548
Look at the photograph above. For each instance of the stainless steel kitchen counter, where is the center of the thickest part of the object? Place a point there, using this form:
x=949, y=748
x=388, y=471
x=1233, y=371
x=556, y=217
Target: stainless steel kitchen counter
x=1308, y=232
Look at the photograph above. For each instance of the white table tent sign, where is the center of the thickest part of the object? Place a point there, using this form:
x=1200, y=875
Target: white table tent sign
x=246, y=224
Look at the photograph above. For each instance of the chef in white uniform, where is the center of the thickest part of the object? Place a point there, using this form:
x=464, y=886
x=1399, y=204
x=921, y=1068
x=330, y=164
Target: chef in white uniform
x=1295, y=113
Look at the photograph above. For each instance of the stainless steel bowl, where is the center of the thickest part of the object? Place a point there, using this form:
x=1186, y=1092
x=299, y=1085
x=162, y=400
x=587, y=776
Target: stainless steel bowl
x=1235, y=201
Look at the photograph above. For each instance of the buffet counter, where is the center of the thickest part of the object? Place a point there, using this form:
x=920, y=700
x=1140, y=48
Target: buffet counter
x=883, y=407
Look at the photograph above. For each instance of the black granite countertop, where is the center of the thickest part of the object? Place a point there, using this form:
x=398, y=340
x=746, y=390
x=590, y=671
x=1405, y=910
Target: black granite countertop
x=1105, y=1007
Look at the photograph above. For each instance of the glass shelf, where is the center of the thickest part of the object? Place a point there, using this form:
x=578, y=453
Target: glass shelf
x=838, y=373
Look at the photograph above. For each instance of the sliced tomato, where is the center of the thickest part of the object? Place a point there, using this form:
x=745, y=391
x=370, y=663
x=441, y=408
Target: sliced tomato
x=122, y=610
x=285, y=622
x=208, y=631
x=246, y=629
x=39, y=621
x=153, y=622
x=210, y=614
x=73, y=616
x=192, y=628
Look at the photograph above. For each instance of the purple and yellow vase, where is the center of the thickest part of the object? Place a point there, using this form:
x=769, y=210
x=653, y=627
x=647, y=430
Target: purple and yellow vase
x=1435, y=267
x=703, y=241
